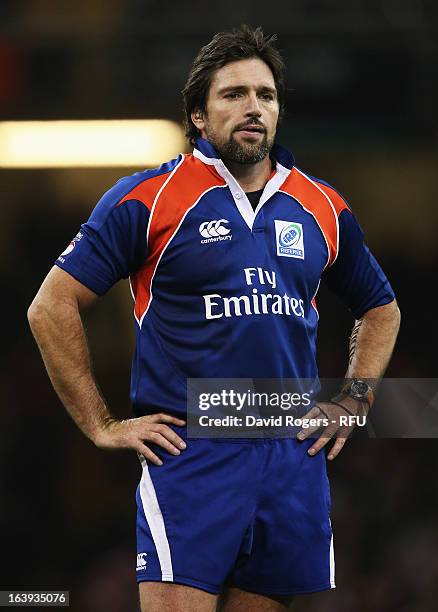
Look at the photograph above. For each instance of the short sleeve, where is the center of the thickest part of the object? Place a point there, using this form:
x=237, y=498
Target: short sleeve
x=110, y=246
x=355, y=276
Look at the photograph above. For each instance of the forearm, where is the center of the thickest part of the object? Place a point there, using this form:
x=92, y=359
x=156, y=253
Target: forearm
x=59, y=333
x=372, y=342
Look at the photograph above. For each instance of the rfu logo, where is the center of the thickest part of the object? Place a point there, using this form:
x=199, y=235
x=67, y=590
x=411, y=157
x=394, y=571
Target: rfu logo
x=141, y=561
x=215, y=231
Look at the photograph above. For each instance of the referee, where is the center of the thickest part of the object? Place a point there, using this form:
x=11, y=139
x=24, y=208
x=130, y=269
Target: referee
x=225, y=249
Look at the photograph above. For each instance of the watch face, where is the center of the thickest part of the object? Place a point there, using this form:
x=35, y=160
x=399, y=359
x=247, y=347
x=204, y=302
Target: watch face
x=359, y=388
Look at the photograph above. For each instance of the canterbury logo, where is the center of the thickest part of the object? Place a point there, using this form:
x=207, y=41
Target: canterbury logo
x=214, y=229
x=141, y=561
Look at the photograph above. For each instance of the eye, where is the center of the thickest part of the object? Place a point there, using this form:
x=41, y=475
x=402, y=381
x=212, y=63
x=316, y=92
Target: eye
x=233, y=95
x=267, y=96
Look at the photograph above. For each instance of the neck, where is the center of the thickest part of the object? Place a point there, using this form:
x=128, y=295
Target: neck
x=251, y=177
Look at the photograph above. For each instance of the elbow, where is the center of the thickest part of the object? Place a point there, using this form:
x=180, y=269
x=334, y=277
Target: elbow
x=33, y=314
x=398, y=315
x=395, y=314
x=36, y=313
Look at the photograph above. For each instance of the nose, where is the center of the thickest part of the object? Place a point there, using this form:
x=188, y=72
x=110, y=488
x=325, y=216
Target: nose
x=253, y=106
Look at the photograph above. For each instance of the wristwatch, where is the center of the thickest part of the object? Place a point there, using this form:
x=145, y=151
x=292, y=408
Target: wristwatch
x=359, y=390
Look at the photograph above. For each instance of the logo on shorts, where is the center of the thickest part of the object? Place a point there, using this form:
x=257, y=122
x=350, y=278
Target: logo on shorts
x=215, y=231
x=289, y=239
x=141, y=561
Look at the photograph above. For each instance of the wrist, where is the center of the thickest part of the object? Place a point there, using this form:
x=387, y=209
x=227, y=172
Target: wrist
x=358, y=389
x=103, y=430
x=351, y=406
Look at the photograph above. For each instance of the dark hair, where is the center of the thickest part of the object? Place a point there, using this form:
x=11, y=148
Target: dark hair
x=225, y=47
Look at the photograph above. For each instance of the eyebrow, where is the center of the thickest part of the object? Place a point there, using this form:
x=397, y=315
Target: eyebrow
x=263, y=88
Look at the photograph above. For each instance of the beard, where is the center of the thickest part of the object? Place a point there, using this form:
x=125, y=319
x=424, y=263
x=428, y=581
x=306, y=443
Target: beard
x=240, y=153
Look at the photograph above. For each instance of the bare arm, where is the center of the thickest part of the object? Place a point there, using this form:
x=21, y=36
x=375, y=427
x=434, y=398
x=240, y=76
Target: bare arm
x=372, y=341
x=371, y=344
x=55, y=320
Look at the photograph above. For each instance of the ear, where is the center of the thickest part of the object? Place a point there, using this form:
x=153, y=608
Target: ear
x=197, y=117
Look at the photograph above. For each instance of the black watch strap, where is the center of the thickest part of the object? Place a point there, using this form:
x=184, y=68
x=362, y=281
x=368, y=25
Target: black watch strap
x=359, y=390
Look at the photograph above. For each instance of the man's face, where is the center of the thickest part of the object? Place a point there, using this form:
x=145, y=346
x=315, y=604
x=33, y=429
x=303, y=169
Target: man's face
x=242, y=111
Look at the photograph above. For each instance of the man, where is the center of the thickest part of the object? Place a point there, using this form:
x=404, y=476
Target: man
x=225, y=249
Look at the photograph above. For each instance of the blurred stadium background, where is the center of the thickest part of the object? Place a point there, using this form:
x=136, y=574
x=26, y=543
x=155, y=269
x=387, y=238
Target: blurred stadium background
x=362, y=108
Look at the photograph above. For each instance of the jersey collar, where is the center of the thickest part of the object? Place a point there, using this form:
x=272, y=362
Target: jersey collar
x=284, y=161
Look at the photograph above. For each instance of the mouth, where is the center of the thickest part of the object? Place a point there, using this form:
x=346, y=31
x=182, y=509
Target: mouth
x=252, y=129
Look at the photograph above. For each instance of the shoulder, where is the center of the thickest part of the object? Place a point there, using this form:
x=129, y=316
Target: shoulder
x=140, y=188
x=336, y=199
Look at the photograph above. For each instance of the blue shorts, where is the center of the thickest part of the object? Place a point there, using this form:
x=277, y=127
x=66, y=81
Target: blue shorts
x=253, y=514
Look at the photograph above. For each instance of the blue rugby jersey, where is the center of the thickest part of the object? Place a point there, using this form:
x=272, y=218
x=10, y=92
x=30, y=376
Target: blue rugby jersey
x=221, y=290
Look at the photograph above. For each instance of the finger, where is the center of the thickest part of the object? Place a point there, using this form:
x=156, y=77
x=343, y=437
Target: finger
x=336, y=448
x=168, y=433
x=315, y=413
x=162, y=417
x=308, y=431
x=146, y=452
x=159, y=440
x=326, y=435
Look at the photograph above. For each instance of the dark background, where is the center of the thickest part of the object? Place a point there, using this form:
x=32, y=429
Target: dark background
x=362, y=103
